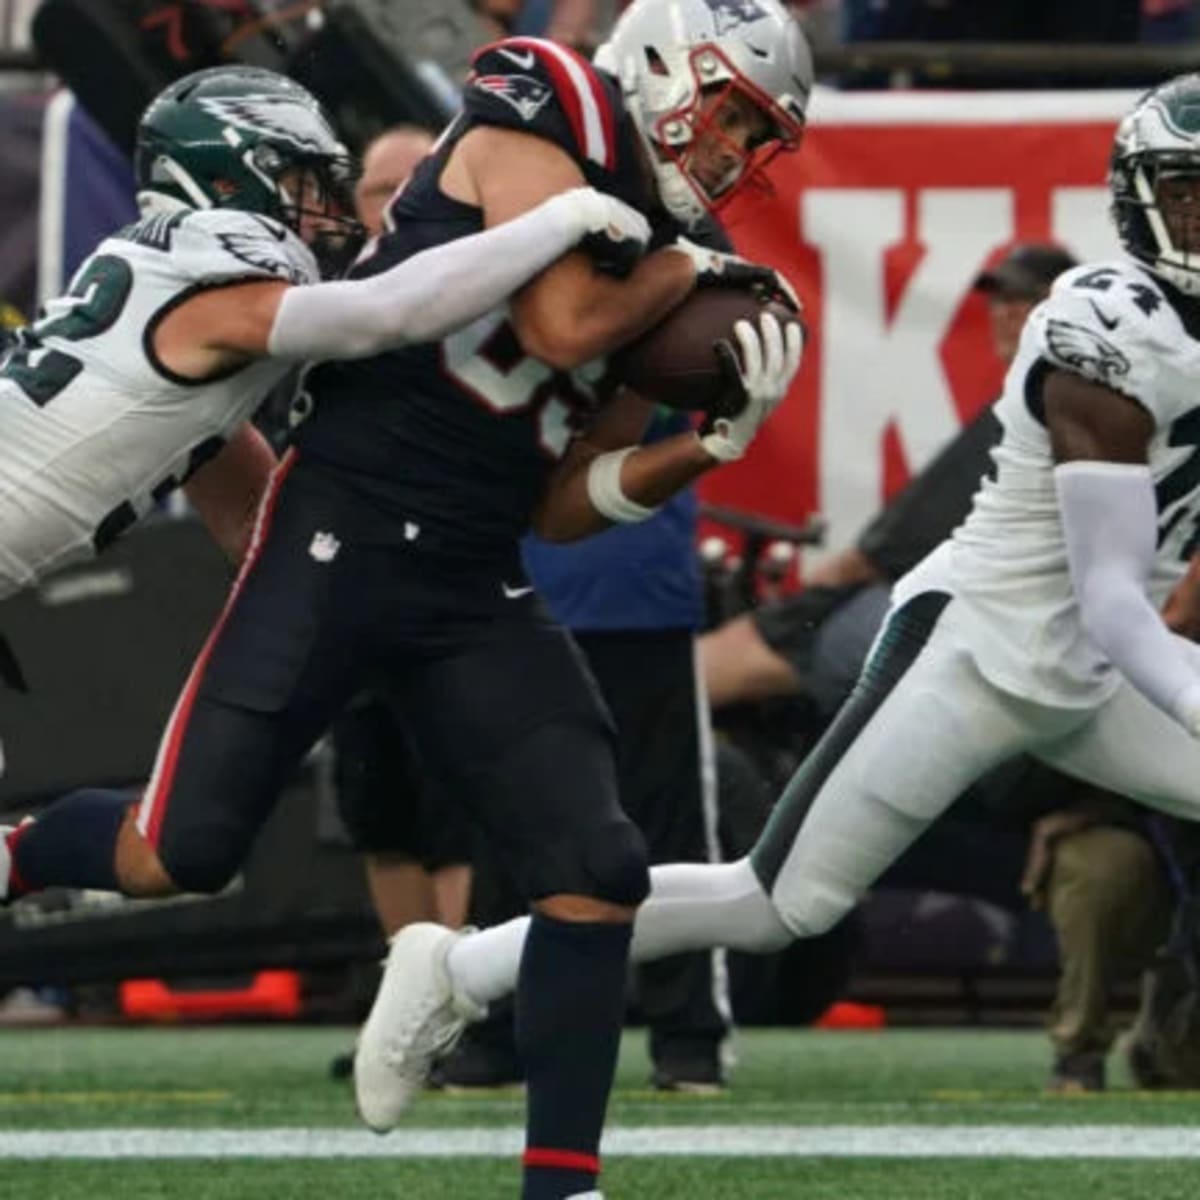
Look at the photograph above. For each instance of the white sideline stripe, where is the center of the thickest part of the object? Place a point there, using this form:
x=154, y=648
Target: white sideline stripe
x=774, y=1141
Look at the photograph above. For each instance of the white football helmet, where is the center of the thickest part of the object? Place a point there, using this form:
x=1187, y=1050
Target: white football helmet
x=668, y=53
x=1154, y=176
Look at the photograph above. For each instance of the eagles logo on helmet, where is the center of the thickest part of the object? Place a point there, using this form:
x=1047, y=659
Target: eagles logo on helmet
x=249, y=139
x=1154, y=177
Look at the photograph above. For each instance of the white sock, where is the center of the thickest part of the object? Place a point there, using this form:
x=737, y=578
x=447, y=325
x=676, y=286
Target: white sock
x=484, y=965
x=692, y=906
x=696, y=906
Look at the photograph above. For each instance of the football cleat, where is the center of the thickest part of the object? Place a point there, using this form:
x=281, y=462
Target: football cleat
x=415, y=1018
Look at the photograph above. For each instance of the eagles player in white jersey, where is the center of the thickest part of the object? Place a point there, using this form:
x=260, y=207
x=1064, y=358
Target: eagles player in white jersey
x=174, y=330
x=143, y=376
x=1034, y=628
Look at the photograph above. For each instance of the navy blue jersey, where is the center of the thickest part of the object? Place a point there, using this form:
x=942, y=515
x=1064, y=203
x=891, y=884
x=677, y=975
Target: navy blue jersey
x=450, y=443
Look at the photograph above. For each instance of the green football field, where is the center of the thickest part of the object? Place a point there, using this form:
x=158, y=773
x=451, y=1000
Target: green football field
x=137, y=1114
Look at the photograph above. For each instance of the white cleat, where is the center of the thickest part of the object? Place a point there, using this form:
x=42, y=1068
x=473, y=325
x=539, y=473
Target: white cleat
x=415, y=1018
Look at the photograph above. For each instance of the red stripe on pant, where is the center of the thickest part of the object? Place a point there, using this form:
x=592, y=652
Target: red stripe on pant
x=16, y=885
x=562, y=1160
x=153, y=807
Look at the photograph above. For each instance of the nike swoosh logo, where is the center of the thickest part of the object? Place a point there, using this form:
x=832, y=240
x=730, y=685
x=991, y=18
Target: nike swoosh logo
x=514, y=593
x=1109, y=323
x=524, y=61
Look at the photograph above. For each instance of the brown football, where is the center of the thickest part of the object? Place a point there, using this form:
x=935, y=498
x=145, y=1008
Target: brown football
x=675, y=363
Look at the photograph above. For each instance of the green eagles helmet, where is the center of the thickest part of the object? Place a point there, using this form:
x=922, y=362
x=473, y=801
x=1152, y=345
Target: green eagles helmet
x=1155, y=158
x=226, y=137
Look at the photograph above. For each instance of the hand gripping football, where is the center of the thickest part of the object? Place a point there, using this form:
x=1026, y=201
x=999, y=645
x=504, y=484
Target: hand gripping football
x=676, y=363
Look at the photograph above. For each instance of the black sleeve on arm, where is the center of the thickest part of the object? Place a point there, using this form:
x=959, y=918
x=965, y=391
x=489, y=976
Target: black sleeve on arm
x=935, y=501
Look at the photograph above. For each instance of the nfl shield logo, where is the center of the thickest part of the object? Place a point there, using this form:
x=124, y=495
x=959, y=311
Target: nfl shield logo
x=324, y=547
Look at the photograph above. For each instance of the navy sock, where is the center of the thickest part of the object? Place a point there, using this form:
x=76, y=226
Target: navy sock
x=72, y=843
x=570, y=1005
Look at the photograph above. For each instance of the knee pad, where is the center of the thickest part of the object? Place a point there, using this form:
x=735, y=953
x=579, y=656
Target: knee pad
x=609, y=863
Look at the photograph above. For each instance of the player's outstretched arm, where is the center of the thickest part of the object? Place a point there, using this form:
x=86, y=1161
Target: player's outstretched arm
x=441, y=289
x=418, y=300
x=571, y=313
x=1110, y=526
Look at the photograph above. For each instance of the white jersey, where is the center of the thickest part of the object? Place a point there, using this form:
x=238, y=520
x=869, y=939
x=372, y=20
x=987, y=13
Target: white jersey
x=95, y=428
x=1114, y=324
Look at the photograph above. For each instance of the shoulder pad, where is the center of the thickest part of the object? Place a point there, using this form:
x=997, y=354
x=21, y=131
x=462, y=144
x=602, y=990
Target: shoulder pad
x=540, y=87
x=216, y=245
x=1107, y=322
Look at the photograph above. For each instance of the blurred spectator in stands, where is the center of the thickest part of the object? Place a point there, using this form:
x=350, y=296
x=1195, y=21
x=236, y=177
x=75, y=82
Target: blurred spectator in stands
x=580, y=24
x=1078, y=21
x=1168, y=20
x=1088, y=862
x=386, y=163
x=998, y=21
x=1163, y=1048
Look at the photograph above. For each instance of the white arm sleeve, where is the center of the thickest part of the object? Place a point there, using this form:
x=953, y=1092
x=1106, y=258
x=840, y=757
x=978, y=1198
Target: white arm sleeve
x=441, y=289
x=1110, y=524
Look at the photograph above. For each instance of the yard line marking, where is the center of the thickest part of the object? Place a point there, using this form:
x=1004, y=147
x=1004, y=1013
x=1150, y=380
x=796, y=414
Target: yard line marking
x=137, y=1096
x=774, y=1141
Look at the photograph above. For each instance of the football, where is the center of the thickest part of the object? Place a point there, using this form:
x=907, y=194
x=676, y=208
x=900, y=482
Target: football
x=675, y=363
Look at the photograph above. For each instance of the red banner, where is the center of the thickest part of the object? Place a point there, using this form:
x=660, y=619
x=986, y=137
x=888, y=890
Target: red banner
x=885, y=217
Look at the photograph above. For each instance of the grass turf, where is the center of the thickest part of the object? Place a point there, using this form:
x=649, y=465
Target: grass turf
x=269, y=1076
x=640, y=1179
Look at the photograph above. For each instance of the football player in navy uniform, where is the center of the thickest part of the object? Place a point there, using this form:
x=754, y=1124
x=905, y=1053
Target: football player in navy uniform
x=387, y=548
x=1036, y=627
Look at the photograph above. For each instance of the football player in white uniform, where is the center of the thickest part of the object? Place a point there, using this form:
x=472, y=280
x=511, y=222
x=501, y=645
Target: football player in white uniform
x=142, y=377
x=174, y=330
x=1034, y=628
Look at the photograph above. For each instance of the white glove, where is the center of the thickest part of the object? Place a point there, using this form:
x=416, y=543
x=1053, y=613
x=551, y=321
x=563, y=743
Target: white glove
x=770, y=358
x=609, y=230
x=714, y=268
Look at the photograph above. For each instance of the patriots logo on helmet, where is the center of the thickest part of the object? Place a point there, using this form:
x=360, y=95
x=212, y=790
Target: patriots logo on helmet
x=1085, y=351
x=524, y=93
x=729, y=14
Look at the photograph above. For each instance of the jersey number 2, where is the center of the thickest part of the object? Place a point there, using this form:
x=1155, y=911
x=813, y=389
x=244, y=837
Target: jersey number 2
x=94, y=303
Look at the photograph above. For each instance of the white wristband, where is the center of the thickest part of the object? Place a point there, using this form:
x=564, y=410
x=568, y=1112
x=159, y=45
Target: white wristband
x=604, y=489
